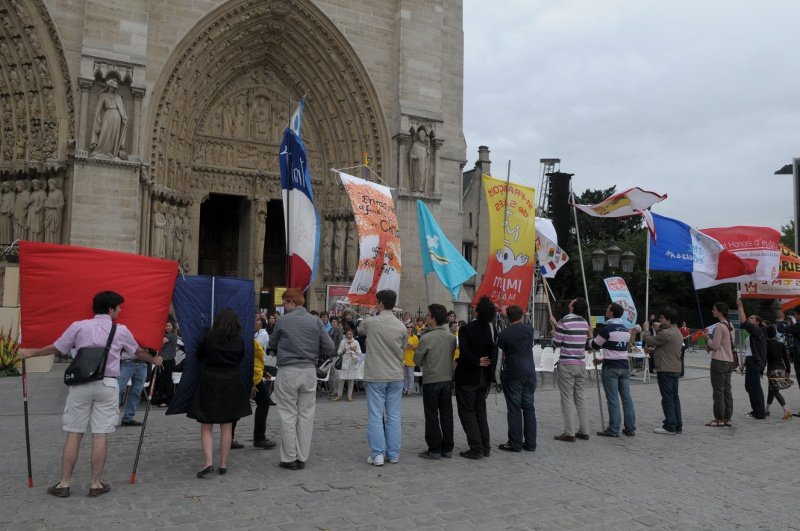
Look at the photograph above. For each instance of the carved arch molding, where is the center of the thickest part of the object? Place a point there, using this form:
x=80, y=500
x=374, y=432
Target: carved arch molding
x=225, y=97
x=36, y=107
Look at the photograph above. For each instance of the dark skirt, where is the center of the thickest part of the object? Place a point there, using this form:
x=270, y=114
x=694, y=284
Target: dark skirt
x=220, y=397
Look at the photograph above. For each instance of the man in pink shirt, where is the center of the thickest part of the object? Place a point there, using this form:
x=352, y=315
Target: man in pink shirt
x=92, y=404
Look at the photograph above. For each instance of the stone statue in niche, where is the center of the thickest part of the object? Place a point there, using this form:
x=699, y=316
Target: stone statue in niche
x=53, y=212
x=159, y=229
x=187, y=239
x=352, y=248
x=261, y=232
x=339, y=237
x=110, y=124
x=6, y=213
x=169, y=230
x=177, y=236
x=21, y=203
x=36, y=211
x=418, y=161
x=327, y=239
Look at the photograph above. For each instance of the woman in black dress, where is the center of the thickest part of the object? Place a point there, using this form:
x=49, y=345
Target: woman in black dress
x=221, y=396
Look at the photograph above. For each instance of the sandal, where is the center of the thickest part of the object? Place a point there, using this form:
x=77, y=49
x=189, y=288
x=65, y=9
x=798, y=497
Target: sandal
x=715, y=423
x=727, y=423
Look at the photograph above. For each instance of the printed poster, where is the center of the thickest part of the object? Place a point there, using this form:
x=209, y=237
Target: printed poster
x=619, y=293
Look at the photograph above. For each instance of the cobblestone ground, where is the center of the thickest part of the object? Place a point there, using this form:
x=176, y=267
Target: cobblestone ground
x=708, y=478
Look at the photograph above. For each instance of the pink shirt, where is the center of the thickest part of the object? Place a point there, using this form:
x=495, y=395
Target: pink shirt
x=94, y=333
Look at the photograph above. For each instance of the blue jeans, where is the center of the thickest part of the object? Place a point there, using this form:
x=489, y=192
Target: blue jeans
x=670, y=402
x=521, y=414
x=616, y=383
x=137, y=374
x=384, y=436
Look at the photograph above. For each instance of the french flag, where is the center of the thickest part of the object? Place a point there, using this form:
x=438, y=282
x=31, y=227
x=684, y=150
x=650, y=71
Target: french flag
x=299, y=212
x=682, y=248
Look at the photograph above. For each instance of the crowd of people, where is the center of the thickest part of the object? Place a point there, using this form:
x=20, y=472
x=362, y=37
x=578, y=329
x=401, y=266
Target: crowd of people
x=399, y=355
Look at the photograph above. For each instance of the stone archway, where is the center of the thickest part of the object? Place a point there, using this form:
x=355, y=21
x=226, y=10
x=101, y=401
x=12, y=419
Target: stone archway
x=223, y=99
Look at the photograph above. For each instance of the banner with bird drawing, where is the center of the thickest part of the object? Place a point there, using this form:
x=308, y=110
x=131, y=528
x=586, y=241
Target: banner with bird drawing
x=512, y=233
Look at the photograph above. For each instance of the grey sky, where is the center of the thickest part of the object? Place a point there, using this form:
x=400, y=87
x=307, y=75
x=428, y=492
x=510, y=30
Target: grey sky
x=695, y=99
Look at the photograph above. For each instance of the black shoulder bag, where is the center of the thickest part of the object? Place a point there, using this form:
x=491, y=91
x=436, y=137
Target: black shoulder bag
x=89, y=364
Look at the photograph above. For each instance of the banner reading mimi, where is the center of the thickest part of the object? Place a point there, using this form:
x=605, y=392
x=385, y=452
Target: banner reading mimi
x=378, y=240
x=512, y=233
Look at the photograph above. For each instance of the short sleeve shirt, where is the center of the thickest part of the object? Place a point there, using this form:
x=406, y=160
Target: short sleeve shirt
x=94, y=333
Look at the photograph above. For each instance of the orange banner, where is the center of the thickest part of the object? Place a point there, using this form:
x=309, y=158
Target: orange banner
x=790, y=263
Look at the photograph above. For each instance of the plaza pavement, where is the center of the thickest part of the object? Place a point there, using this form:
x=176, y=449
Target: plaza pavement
x=707, y=478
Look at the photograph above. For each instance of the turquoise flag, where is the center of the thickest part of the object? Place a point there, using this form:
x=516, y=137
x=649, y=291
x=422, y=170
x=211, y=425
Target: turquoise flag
x=439, y=255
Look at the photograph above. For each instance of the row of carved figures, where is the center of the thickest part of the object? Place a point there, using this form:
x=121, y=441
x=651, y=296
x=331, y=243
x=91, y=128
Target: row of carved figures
x=171, y=235
x=29, y=212
x=339, y=249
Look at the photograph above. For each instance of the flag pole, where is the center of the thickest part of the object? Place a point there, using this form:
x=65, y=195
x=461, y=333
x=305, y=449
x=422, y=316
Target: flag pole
x=647, y=277
x=588, y=305
x=505, y=220
x=144, y=424
x=27, y=428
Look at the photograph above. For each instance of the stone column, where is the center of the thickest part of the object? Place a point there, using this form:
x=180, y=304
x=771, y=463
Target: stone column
x=436, y=145
x=138, y=94
x=83, y=132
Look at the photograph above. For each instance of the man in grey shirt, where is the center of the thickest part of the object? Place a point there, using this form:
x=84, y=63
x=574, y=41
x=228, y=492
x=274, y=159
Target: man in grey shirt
x=299, y=338
x=383, y=374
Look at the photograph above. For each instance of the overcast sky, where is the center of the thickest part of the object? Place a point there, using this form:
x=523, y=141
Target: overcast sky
x=696, y=99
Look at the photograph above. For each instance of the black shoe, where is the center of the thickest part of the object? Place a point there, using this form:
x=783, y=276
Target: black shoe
x=529, y=448
x=582, y=436
x=507, y=447
x=206, y=471
x=447, y=455
x=427, y=454
x=236, y=445
x=629, y=433
x=130, y=423
x=266, y=444
x=471, y=454
x=300, y=464
x=607, y=433
x=222, y=471
x=289, y=466
x=487, y=453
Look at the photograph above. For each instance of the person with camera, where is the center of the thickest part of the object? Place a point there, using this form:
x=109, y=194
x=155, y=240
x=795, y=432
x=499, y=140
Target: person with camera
x=92, y=405
x=755, y=361
x=667, y=345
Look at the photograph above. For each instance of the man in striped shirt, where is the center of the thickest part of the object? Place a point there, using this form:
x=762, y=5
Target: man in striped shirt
x=613, y=339
x=570, y=335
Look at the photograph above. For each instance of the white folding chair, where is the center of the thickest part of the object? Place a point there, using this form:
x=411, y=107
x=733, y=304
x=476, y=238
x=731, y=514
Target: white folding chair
x=538, y=352
x=591, y=368
x=549, y=364
x=323, y=382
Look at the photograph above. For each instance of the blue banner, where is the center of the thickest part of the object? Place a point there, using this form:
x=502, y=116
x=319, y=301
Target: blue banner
x=673, y=251
x=439, y=255
x=197, y=300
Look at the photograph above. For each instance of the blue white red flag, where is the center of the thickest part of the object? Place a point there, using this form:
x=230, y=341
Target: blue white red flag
x=439, y=255
x=299, y=211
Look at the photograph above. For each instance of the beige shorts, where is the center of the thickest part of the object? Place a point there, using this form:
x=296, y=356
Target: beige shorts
x=93, y=405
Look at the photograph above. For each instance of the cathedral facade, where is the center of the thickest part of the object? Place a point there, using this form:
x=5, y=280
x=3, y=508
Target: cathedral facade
x=153, y=126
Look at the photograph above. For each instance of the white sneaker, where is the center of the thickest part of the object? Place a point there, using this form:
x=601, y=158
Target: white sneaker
x=377, y=460
x=394, y=461
x=662, y=431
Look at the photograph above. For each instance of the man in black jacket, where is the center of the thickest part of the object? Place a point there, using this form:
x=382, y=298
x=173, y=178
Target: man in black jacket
x=755, y=363
x=473, y=377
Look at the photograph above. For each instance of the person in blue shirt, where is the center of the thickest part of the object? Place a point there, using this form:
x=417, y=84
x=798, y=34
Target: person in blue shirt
x=518, y=376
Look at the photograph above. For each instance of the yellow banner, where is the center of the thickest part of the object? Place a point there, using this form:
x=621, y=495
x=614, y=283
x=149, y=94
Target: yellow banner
x=512, y=233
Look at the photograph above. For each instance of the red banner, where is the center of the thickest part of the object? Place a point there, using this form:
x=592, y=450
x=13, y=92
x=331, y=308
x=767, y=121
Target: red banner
x=58, y=283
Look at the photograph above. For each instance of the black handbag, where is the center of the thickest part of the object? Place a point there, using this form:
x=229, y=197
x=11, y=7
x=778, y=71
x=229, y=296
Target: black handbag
x=338, y=364
x=89, y=364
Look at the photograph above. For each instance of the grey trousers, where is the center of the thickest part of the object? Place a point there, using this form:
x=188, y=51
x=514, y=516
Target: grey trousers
x=296, y=394
x=720, y=372
x=570, y=386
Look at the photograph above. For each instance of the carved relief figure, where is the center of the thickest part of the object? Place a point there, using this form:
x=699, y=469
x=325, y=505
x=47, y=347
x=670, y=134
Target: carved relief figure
x=418, y=162
x=228, y=118
x=177, y=235
x=53, y=210
x=6, y=213
x=110, y=124
x=327, y=239
x=352, y=248
x=21, y=204
x=159, y=229
x=187, y=239
x=169, y=230
x=339, y=238
x=36, y=211
x=241, y=116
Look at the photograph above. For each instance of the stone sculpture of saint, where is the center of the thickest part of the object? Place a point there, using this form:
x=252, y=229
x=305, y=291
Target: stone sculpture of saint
x=110, y=124
x=169, y=230
x=418, y=162
x=159, y=230
x=21, y=203
x=36, y=211
x=187, y=239
x=6, y=213
x=261, y=232
x=53, y=212
x=352, y=248
x=339, y=237
x=325, y=248
x=177, y=232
